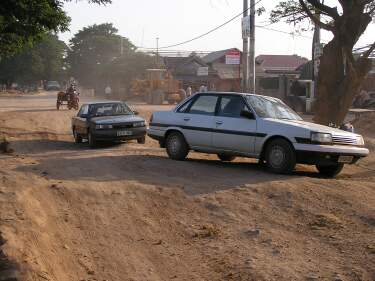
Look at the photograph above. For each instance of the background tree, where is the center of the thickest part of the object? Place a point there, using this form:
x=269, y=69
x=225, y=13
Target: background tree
x=341, y=73
x=24, y=22
x=99, y=56
x=44, y=61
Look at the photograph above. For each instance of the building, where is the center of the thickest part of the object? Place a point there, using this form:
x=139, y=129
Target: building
x=274, y=74
x=191, y=71
x=225, y=68
x=222, y=71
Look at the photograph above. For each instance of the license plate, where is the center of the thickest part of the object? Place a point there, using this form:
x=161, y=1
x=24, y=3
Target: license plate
x=124, y=133
x=345, y=159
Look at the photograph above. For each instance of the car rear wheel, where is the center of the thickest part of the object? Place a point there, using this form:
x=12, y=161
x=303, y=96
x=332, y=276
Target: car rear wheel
x=77, y=137
x=141, y=140
x=330, y=170
x=177, y=148
x=226, y=158
x=280, y=156
x=91, y=139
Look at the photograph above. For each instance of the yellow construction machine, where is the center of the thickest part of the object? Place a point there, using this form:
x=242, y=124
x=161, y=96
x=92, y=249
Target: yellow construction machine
x=159, y=86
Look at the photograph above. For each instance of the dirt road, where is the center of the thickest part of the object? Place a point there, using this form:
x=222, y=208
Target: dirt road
x=127, y=212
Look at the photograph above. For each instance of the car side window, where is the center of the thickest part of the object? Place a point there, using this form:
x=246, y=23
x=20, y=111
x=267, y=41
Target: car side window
x=204, y=105
x=184, y=107
x=84, y=111
x=231, y=106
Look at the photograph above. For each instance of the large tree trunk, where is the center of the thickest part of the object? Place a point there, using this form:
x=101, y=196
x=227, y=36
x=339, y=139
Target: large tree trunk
x=340, y=75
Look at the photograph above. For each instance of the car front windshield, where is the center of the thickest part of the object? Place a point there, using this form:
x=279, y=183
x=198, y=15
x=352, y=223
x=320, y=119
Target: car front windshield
x=109, y=109
x=267, y=107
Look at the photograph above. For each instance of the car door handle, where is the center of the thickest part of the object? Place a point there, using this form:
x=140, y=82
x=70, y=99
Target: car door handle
x=219, y=122
x=186, y=119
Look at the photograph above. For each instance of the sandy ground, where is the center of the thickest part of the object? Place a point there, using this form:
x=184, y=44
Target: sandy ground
x=128, y=213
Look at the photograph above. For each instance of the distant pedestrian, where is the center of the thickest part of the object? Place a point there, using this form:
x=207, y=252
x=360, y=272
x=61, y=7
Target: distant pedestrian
x=189, y=91
x=203, y=88
x=108, y=92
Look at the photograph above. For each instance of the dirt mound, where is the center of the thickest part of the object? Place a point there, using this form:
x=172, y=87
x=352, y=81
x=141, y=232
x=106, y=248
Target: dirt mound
x=128, y=213
x=365, y=125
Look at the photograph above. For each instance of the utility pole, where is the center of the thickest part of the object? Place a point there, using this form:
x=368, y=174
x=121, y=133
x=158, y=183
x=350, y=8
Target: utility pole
x=245, y=53
x=252, y=47
x=157, y=52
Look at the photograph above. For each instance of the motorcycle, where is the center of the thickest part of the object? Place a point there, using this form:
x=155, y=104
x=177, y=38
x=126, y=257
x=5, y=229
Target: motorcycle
x=70, y=98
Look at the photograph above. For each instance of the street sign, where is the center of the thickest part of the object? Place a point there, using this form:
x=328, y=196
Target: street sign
x=202, y=71
x=233, y=57
x=246, y=27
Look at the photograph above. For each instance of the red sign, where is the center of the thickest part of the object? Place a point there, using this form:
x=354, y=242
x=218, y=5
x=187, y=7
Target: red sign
x=233, y=57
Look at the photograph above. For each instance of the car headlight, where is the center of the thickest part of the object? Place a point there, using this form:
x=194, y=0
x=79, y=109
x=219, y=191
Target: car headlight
x=139, y=124
x=321, y=137
x=102, y=127
x=360, y=141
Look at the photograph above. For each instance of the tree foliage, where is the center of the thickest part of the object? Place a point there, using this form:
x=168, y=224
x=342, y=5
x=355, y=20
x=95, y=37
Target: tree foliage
x=44, y=61
x=341, y=73
x=24, y=22
x=98, y=55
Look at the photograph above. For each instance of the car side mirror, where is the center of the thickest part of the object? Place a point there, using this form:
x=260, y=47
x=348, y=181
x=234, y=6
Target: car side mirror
x=247, y=114
x=135, y=112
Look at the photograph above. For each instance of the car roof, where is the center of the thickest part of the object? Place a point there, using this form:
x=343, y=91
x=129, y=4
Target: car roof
x=231, y=93
x=103, y=102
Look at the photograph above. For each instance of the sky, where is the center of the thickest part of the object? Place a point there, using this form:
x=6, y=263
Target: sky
x=175, y=21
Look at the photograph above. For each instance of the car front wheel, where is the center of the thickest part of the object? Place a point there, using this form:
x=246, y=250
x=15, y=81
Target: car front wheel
x=177, y=148
x=280, y=156
x=91, y=139
x=77, y=137
x=330, y=170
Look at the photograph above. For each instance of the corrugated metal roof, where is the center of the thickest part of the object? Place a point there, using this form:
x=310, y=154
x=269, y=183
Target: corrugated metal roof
x=280, y=62
x=214, y=56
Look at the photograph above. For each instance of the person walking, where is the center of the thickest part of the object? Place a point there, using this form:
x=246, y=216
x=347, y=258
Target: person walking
x=189, y=91
x=203, y=88
x=108, y=92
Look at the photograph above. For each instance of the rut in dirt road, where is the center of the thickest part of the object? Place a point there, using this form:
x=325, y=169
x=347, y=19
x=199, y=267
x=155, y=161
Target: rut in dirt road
x=8, y=269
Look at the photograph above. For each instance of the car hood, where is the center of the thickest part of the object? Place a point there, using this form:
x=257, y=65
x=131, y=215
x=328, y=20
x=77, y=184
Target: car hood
x=105, y=120
x=313, y=127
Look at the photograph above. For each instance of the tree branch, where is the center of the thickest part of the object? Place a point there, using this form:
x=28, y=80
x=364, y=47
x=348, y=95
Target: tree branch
x=314, y=18
x=369, y=51
x=371, y=10
x=332, y=12
x=365, y=2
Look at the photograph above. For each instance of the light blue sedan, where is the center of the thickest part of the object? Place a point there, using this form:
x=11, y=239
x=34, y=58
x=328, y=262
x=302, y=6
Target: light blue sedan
x=236, y=124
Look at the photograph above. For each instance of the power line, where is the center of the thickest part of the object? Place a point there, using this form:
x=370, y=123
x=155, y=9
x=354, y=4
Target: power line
x=206, y=33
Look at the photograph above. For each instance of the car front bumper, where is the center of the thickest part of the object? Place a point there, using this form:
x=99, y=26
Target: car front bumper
x=327, y=154
x=113, y=134
x=156, y=134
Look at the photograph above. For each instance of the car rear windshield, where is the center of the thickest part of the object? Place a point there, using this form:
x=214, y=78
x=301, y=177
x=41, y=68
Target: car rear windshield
x=53, y=83
x=267, y=107
x=109, y=109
